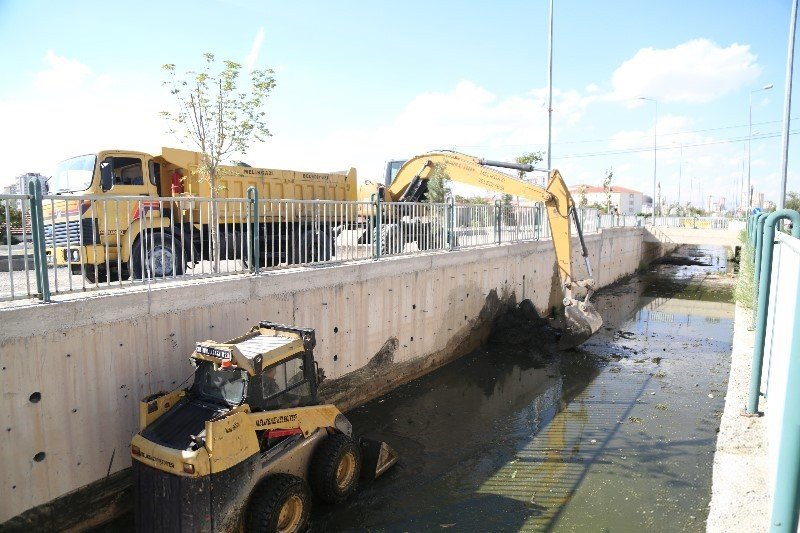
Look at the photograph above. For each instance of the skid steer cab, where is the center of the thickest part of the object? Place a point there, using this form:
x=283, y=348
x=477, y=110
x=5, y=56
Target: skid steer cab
x=247, y=446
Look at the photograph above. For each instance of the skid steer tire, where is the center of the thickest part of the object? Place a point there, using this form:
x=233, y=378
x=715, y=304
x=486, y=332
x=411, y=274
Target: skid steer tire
x=280, y=503
x=335, y=468
x=390, y=241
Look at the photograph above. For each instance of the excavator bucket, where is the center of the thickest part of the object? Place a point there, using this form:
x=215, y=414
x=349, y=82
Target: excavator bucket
x=376, y=458
x=581, y=322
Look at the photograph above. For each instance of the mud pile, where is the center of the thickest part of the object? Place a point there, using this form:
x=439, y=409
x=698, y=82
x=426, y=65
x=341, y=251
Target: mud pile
x=522, y=331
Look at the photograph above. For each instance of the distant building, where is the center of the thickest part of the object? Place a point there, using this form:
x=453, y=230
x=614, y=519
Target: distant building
x=627, y=201
x=20, y=185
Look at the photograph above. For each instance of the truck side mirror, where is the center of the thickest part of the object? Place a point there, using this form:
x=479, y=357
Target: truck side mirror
x=106, y=175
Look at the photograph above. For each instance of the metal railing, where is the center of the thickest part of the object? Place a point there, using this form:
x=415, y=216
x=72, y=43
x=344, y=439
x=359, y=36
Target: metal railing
x=79, y=243
x=692, y=222
x=776, y=348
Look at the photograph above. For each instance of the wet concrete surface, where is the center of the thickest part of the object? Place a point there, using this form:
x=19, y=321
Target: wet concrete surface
x=618, y=435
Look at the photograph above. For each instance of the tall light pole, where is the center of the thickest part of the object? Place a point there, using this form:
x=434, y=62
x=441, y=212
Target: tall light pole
x=550, y=91
x=749, y=140
x=787, y=107
x=655, y=156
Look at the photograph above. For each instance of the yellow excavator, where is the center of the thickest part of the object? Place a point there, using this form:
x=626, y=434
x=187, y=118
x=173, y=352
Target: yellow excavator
x=407, y=182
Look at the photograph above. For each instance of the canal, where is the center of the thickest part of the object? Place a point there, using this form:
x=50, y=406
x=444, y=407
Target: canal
x=615, y=436
x=618, y=435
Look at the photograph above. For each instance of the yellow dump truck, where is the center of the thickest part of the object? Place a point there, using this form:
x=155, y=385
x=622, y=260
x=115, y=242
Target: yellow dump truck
x=132, y=213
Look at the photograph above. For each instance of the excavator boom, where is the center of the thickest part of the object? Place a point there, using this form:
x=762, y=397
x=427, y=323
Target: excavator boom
x=410, y=185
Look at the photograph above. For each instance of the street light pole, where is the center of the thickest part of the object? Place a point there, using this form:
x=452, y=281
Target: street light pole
x=787, y=107
x=550, y=92
x=749, y=140
x=655, y=148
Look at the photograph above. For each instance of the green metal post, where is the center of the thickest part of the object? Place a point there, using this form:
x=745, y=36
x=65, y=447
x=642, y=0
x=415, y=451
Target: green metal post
x=757, y=250
x=376, y=241
x=37, y=230
x=451, y=214
x=498, y=221
x=255, y=243
x=35, y=236
x=756, y=367
x=758, y=229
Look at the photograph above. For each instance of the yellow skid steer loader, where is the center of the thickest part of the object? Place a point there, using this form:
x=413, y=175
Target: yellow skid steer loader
x=247, y=445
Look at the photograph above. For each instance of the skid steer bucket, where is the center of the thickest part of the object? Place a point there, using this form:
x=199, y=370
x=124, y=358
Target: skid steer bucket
x=376, y=458
x=581, y=321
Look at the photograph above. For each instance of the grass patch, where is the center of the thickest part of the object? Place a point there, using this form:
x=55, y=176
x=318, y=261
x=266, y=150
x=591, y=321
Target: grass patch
x=745, y=284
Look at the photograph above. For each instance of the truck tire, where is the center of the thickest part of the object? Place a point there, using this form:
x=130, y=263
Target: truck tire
x=390, y=240
x=102, y=275
x=335, y=468
x=280, y=503
x=163, y=254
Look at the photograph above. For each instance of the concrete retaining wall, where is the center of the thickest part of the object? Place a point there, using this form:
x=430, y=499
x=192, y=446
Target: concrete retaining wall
x=72, y=372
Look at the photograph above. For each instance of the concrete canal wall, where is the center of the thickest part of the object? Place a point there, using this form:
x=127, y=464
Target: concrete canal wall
x=73, y=372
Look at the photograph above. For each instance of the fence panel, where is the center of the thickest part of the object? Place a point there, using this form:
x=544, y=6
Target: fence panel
x=94, y=242
x=17, y=276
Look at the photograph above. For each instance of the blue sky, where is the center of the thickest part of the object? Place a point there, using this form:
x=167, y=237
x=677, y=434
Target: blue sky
x=362, y=82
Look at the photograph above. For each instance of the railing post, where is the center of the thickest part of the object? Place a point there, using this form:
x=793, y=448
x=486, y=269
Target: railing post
x=255, y=227
x=537, y=221
x=376, y=240
x=758, y=247
x=765, y=275
x=451, y=222
x=37, y=229
x=498, y=222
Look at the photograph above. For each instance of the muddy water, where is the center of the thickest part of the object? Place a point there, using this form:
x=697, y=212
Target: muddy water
x=617, y=436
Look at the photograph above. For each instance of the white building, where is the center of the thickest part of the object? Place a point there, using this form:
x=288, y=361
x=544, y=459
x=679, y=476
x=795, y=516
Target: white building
x=627, y=201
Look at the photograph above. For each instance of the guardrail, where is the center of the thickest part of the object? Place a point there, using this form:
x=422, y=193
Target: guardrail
x=80, y=243
x=692, y=222
x=777, y=350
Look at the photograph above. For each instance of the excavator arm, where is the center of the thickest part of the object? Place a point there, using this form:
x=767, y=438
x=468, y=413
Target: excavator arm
x=410, y=185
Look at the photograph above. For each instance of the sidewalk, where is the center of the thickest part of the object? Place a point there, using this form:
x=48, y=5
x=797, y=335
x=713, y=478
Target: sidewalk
x=740, y=494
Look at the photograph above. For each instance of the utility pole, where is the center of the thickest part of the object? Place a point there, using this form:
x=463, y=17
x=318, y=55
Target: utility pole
x=550, y=92
x=750, y=135
x=787, y=106
x=680, y=176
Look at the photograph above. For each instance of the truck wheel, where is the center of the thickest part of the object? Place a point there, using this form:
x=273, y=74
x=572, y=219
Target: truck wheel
x=102, y=274
x=280, y=503
x=335, y=468
x=163, y=256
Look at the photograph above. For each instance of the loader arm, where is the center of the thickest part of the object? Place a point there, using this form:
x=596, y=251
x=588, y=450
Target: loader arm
x=409, y=186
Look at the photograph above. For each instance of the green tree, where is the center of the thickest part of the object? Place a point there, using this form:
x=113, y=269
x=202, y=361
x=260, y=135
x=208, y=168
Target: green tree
x=219, y=113
x=438, y=181
x=7, y=209
x=582, y=200
x=793, y=200
x=528, y=158
x=607, y=188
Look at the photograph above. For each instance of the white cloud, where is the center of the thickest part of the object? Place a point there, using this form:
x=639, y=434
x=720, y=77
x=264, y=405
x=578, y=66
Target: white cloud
x=61, y=75
x=697, y=71
x=69, y=109
x=255, y=50
x=468, y=117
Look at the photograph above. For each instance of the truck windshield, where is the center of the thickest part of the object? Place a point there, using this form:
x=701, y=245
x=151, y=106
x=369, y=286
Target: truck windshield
x=227, y=385
x=73, y=175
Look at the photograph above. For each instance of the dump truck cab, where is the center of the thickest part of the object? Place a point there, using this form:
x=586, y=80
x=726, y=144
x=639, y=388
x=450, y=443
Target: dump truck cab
x=244, y=447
